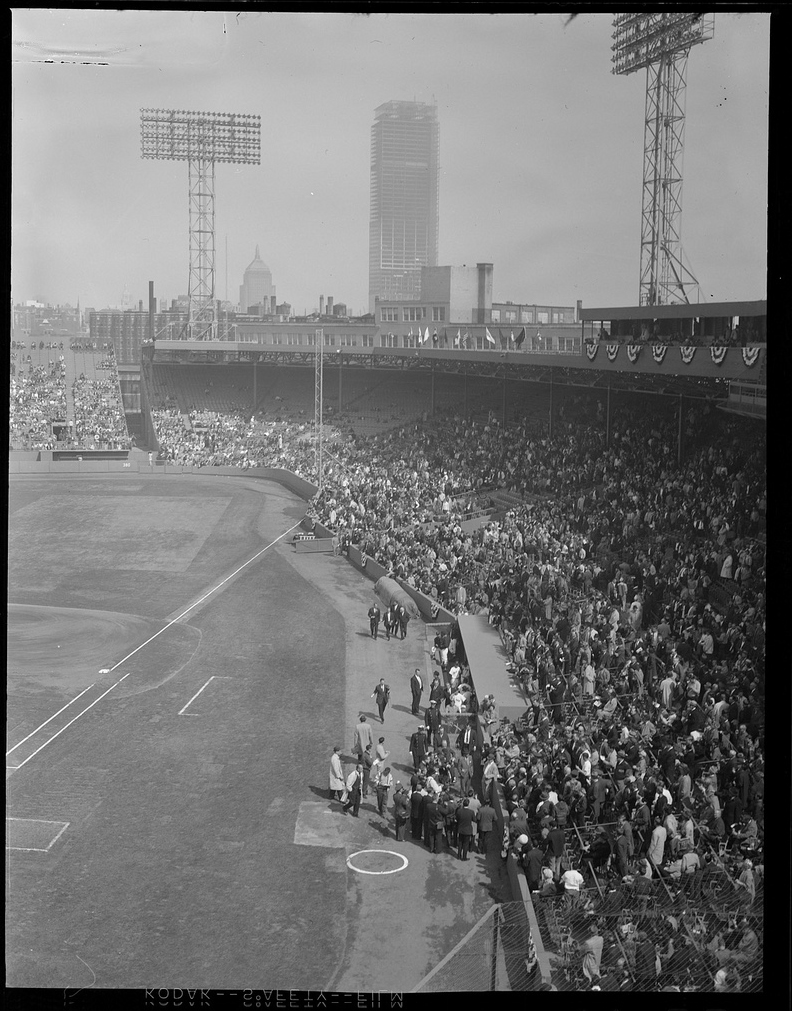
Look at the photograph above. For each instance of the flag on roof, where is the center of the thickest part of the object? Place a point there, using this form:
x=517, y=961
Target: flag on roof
x=457, y=339
x=490, y=338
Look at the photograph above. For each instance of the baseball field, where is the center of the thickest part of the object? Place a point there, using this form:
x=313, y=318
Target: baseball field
x=177, y=678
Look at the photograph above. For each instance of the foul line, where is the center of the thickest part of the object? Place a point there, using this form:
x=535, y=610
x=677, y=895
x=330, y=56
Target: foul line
x=136, y=650
x=214, y=677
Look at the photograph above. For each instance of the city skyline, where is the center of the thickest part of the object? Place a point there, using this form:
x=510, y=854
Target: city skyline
x=540, y=164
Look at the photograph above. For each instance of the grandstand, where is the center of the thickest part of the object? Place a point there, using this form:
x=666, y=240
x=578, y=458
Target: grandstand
x=84, y=412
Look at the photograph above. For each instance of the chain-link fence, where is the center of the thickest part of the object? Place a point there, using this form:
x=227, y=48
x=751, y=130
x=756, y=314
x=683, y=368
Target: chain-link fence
x=497, y=954
x=695, y=935
x=700, y=935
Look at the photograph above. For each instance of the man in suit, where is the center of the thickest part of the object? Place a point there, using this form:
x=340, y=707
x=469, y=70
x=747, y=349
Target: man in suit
x=419, y=746
x=391, y=621
x=466, y=741
x=436, y=690
x=375, y=616
x=465, y=817
x=464, y=771
x=416, y=687
x=486, y=819
x=382, y=694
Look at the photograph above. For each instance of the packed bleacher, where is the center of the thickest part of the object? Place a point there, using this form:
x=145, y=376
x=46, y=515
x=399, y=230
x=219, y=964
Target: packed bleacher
x=99, y=414
x=65, y=398
x=38, y=396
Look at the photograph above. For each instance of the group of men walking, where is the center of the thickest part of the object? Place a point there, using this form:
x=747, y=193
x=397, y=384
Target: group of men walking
x=395, y=621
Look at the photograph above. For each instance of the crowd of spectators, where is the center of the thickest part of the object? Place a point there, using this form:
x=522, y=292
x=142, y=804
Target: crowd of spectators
x=41, y=345
x=632, y=600
x=99, y=414
x=38, y=396
x=93, y=346
x=232, y=439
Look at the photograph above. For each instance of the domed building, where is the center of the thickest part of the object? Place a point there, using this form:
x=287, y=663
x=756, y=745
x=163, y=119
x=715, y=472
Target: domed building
x=257, y=287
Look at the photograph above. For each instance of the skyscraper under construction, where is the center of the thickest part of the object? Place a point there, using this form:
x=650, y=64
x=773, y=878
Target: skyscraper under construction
x=404, y=220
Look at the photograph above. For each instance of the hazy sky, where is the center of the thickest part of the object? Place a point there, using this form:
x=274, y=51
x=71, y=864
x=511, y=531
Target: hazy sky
x=541, y=151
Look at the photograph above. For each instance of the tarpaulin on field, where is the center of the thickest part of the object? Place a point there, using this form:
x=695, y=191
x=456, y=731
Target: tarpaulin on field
x=388, y=590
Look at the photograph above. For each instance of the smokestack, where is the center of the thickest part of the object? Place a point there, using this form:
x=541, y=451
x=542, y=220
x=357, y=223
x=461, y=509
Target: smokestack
x=152, y=310
x=329, y=305
x=578, y=307
x=321, y=305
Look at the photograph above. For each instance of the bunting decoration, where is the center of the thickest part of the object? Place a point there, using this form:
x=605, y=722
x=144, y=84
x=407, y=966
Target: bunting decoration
x=591, y=350
x=659, y=352
x=750, y=356
x=718, y=355
x=613, y=350
x=687, y=355
x=633, y=350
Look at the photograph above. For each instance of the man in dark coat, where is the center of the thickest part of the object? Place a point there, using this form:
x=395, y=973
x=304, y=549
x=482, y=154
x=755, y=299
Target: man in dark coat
x=434, y=724
x=486, y=819
x=532, y=861
x=419, y=746
x=382, y=695
x=403, y=619
x=465, y=817
x=416, y=687
x=417, y=799
x=374, y=616
x=401, y=810
x=391, y=621
x=466, y=741
x=435, y=822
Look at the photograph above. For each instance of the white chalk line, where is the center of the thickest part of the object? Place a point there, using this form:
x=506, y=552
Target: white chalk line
x=136, y=650
x=214, y=677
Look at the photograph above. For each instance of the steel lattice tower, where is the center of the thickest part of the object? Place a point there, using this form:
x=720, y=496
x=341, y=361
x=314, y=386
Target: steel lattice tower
x=661, y=43
x=201, y=139
x=318, y=406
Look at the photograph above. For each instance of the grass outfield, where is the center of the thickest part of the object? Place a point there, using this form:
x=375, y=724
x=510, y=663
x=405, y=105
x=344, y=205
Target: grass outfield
x=177, y=867
x=134, y=546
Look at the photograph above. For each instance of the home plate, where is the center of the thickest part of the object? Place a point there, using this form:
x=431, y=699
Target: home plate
x=320, y=825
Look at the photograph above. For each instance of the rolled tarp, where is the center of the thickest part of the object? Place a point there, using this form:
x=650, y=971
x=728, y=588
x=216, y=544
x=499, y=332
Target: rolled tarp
x=388, y=591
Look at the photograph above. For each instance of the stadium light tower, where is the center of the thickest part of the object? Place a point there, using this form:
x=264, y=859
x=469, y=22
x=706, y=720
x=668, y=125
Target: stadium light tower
x=661, y=43
x=201, y=139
